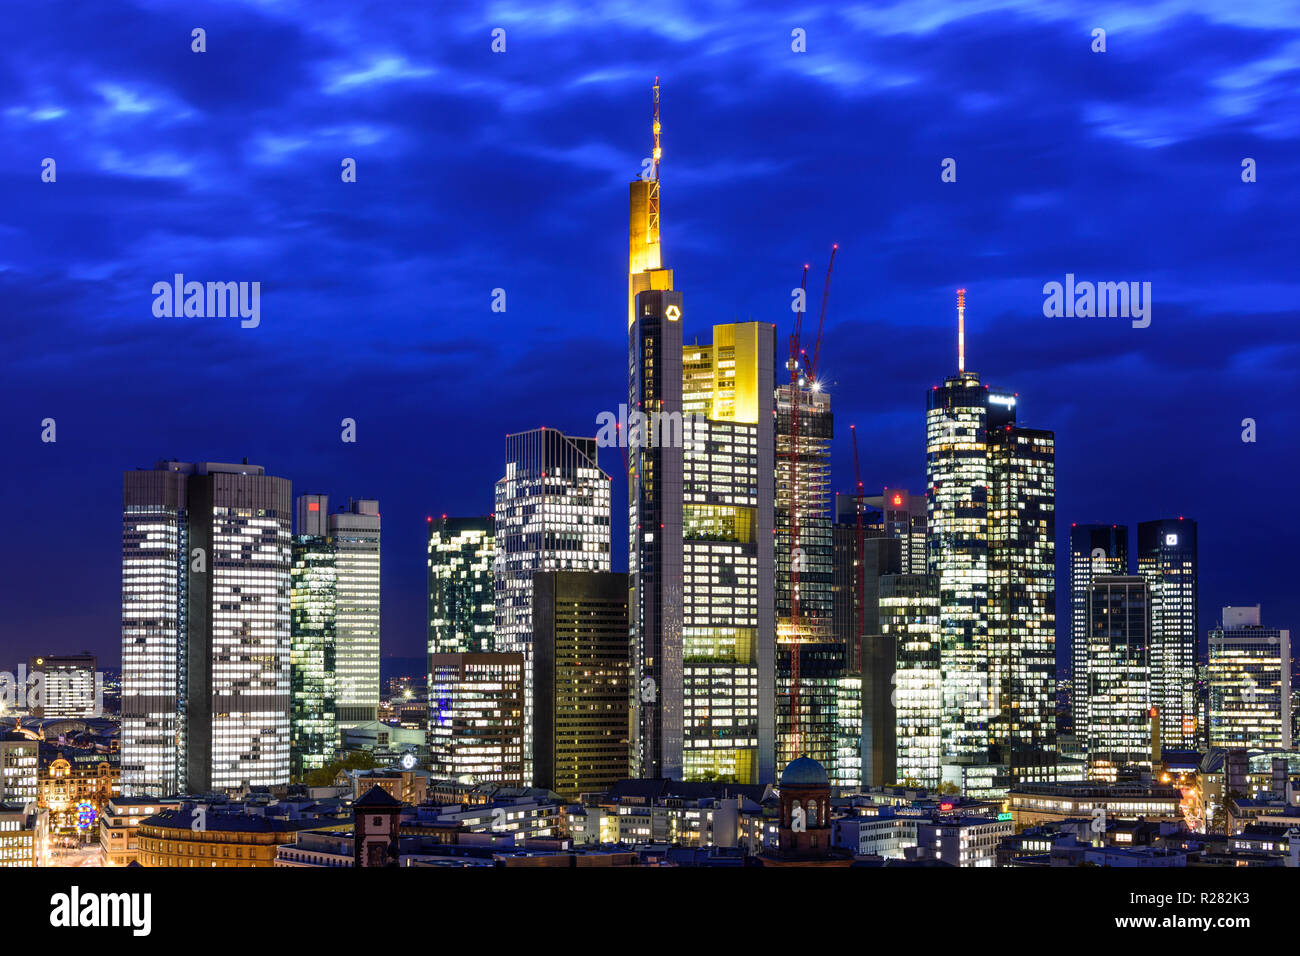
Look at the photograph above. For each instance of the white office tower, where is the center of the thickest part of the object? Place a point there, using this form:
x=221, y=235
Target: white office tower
x=552, y=514
x=205, y=628
x=1250, y=682
x=354, y=532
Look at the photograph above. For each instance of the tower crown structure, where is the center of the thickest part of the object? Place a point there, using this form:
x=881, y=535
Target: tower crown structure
x=645, y=270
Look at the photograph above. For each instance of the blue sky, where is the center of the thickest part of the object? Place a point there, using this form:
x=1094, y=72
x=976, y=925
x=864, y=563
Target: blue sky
x=479, y=170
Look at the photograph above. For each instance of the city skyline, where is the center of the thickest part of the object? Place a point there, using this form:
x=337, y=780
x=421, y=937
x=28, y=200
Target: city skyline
x=404, y=364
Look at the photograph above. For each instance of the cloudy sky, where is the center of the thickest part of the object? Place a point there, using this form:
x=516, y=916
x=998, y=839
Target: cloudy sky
x=479, y=170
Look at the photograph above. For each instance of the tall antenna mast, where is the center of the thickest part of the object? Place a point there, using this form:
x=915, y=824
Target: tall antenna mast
x=961, y=327
x=652, y=219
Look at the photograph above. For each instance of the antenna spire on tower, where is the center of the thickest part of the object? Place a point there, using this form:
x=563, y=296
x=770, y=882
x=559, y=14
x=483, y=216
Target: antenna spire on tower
x=961, y=331
x=657, y=151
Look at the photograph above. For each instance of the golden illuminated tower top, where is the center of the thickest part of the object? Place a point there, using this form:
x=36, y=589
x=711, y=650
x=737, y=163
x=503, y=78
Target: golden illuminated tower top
x=644, y=263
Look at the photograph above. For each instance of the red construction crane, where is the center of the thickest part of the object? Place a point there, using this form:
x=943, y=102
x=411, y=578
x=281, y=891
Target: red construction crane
x=795, y=559
x=796, y=552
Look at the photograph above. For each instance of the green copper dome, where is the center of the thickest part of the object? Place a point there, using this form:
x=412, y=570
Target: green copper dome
x=804, y=772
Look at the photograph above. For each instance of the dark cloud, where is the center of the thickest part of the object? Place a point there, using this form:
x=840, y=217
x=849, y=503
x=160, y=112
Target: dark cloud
x=479, y=171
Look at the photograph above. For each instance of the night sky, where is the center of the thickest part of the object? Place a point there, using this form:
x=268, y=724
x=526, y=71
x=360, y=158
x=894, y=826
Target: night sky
x=479, y=170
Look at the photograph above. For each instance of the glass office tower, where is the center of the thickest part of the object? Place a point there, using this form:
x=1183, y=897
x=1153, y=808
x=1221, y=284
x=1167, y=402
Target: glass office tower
x=1249, y=676
x=206, y=556
x=1166, y=558
x=1123, y=731
x=1094, y=549
x=462, y=601
x=313, y=738
x=552, y=514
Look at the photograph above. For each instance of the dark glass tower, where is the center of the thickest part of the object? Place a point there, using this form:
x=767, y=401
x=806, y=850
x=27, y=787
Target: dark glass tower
x=655, y=538
x=1094, y=549
x=312, y=678
x=462, y=602
x=1167, y=559
x=1122, y=732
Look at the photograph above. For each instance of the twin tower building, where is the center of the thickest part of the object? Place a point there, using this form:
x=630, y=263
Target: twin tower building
x=244, y=646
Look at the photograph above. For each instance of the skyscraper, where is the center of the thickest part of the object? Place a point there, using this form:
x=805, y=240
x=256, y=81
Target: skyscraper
x=1123, y=728
x=354, y=530
x=73, y=687
x=991, y=545
x=909, y=617
x=1250, y=682
x=313, y=738
x=1022, y=599
x=205, y=628
x=865, y=747
x=729, y=576
x=1094, y=549
x=581, y=673
x=476, y=720
x=802, y=483
x=654, y=486
x=1167, y=559
x=902, y=515
x=552, y=514
x=462, y=601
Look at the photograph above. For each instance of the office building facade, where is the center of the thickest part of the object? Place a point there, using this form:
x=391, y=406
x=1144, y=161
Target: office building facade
x=728, y=571
x=909, y=617
x=552, y=514
x=462, y=600
x=313, y=687
x=1249, y=676
x=1094, y=549
x=1123, y=730
x=1167, y=559
x=354, y=530
x=206, y=555
x=581, y=681
x=476, y=720
x=71, y=686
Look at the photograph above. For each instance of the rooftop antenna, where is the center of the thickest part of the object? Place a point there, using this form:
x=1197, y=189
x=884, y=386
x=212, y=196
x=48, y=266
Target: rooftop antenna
x=652, y=219
x=961, y=331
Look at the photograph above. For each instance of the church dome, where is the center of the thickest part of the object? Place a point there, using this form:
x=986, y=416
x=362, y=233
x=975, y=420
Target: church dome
x=804, y=772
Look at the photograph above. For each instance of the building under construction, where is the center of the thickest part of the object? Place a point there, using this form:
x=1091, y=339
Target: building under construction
x=802, y=483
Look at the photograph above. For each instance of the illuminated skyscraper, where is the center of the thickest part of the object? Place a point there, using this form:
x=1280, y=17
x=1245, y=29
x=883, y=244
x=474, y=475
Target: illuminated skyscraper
x=462, y=601
x=1166, y=558
x=552, y=514
x=1022, y=599
x=902, y=515
x=1122, y=728
x=729, y=578
x=580, y=678
x=476, y=720
x=354, y=530
x=822, y=658
x=654, y=487
x=1094, y=549
x=206, y=559
x=991, y=545
x=909, y=617
x=1250, y=683
x=313, y=738
x=700, y=518
x=73, y=687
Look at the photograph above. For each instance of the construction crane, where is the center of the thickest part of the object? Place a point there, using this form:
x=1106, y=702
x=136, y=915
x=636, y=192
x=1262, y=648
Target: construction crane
x=796, y=551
